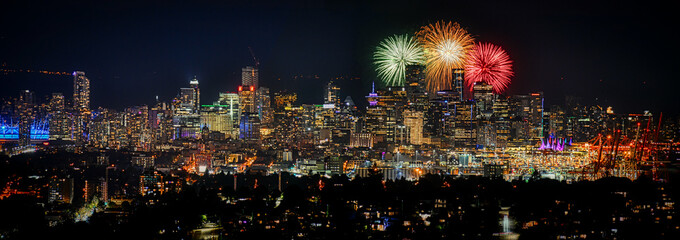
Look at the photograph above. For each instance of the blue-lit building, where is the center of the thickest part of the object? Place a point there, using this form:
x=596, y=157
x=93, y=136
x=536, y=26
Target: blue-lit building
x=39, y=131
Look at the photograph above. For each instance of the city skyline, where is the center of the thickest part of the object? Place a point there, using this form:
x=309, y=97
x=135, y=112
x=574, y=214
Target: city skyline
x=554, y=59
x=338, y=120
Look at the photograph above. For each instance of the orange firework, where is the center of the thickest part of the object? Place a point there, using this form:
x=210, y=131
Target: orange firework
x=446, y=45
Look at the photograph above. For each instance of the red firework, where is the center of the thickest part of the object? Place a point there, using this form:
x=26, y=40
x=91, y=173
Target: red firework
x=490, y=64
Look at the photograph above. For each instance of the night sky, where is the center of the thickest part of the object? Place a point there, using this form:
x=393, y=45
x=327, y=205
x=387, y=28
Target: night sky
x=613, y=53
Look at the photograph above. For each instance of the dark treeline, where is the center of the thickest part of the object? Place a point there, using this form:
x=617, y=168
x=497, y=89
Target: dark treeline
x=435, y=207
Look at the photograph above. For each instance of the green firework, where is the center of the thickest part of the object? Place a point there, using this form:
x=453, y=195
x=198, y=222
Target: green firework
x=393, y=55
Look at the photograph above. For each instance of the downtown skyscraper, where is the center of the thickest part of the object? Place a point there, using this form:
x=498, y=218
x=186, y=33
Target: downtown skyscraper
x=81, y=106
x=26, y=117
x=250, y=76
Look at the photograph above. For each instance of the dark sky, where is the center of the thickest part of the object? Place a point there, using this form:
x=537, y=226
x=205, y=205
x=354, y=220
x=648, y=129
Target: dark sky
x=620, y=54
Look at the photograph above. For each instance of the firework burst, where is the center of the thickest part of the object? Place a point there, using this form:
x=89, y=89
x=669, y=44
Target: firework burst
x=490, y=64
x=445, y=45
x=393, y=55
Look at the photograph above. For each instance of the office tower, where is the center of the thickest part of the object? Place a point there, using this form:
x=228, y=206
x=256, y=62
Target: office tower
x=189, y=99
x=186, y=101
x=393, y=100
x=250, y=77
x=345, y=122
x=195, y=95
x=441, y=114
x=217, y=119
x=249, y=128
x=536, y=115
x=81, y=107
x=483, y=95
x=458, y=83
x=465, y=131
x=187, y=126
x=413, y=120
x=416, y=88
x=247, y=99
x=186, y=120
x=264, y=108
x=501, y=121
x=26, y=117
x=554, y=126
x=230, y=103
x=519, y=107
x=330, y=94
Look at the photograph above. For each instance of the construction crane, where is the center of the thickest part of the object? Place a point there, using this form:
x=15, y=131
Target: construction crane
x=617, y=155
x=257, y=63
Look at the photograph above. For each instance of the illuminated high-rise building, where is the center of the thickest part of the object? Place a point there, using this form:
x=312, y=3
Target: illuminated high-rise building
x=264, y=107
x=189, y=98
x=501, y=121
x=186, y=119
x=384, y=115
x=416, y=88
x=519, y=107
x=137, y=127
x=250, y=76
x=375, y=115
x=441, y=114
x=555, y=125
x=186, y=101
x=465, y=133
x=26, y=117
x=99, y=129
x=458, y=83
x=483, y=95
x=81, y=92
x=196, y=95
x=536, y=115
x=216, y=119
x=413, y=120
x=249, y=124
x=58, y=118
x=249, y=127
x=81, y=106
x=393, y=99
x=229, y=103
x=247, y=101
x=330, y=94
